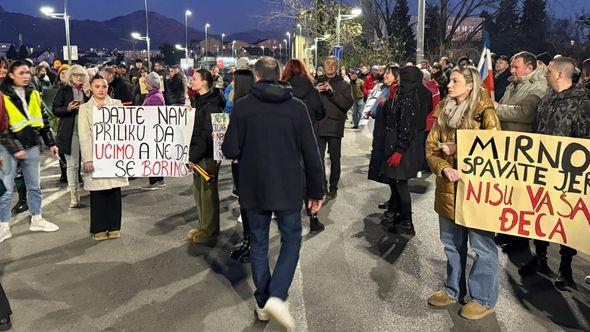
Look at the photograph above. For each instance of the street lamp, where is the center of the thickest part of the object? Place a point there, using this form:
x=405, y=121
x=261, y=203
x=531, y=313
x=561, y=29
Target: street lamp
x=222, y=45
x=316, y=40
x=300, y=29
x=262, y=47
x=288, y=46
x=353, y=14
x=137, y=36
x=180, y=48
x=207, y=26
x=233, y=48
x=62, y=16
x=187, y=13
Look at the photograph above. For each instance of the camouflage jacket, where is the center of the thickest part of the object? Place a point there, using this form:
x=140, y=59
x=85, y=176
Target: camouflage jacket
x=565, y=113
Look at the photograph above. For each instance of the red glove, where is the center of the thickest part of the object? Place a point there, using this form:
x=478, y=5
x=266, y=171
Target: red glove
x=394, y=160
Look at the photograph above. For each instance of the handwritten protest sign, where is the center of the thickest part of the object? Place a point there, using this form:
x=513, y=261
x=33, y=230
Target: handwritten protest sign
x=135, y=141
x=220, y=121
x=528, y=185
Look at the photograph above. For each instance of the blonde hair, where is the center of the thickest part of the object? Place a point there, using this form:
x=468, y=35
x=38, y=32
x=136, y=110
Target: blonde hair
x=471, y=76
x=71, y=71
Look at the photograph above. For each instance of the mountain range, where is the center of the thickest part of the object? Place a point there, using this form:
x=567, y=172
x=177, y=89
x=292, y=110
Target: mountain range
x=115, y=33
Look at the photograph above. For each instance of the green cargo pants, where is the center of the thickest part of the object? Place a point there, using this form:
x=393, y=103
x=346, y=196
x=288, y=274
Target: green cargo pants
x=207, y=201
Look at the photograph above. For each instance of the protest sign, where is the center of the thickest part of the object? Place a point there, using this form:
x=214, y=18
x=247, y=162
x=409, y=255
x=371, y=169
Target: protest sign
x=528, y=185
x=136, y=141
x=219, y=121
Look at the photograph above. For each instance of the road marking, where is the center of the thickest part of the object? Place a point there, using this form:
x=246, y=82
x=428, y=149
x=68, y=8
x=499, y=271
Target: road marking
x=47, y=177
x=51, y=163
x=52, y=198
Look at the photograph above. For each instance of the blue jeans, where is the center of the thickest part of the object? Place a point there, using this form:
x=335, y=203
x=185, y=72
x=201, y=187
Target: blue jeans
x=483, y=277
x=357, y=111
x=32, y=177
x=278, y=284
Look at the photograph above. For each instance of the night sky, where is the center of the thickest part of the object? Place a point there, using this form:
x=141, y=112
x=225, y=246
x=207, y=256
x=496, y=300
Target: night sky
x=226, y=16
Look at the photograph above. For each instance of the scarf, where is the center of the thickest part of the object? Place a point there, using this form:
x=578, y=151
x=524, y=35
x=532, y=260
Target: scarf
x=455, y=112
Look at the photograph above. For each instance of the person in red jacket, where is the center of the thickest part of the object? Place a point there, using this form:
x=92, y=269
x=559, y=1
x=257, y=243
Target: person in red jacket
x=432, y=85
x=371, y=80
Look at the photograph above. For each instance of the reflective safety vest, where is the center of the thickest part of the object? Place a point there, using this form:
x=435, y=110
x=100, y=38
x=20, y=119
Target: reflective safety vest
x=17, y=120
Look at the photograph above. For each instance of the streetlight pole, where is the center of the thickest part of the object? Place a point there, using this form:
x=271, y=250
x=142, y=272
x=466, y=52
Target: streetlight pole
x=286, y=49
x=262, y=47
x=147, y=37
x=186, y=15
x=420, y=32
x=67, y=22
x=289, y=47
x=207, y=38
x=222, y=44
x=62, y=16
x=355, y=12
x=233, y=49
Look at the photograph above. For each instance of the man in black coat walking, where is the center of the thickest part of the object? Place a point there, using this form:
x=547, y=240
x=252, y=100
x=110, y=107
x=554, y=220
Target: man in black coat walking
x=118, y=89
x=271, y=136
x=336, y=94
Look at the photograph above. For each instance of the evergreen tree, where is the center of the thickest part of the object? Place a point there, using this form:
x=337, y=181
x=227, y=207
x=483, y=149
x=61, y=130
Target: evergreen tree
x=23, y=53
x=402, y=32
x=11, y=53
x=504, y=40
x=432, y=30
x=533, y=26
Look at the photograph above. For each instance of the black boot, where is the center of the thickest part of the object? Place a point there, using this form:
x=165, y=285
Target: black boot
x=404, y=227
x=391, y=219
x=565, y=278
x=537, y=264
x=21, y=205
x=241, y=249
x=315, y=226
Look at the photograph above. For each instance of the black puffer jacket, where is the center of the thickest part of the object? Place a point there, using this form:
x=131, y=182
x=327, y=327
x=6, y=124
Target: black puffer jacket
x=201, y=141
x=304, y=90
x=65, y=127
x=175, y=93
x=119, y=89
x=29, y=136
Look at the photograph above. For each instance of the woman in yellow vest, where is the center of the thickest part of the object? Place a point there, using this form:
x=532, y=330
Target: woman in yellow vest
x=21, y=142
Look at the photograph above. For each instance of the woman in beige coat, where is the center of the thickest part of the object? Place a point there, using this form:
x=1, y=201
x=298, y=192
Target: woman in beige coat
x=105, y=193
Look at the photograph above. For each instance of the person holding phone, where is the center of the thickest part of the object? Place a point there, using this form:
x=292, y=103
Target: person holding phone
x=28, y=124
x=65, y=106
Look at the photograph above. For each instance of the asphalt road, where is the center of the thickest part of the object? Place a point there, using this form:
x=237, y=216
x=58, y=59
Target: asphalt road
x=352, y=277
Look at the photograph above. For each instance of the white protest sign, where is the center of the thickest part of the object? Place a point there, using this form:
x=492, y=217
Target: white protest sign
x=219, y=121
x=138, y=141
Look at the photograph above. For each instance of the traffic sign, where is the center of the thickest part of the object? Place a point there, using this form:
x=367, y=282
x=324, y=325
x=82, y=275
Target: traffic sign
x=338, y=51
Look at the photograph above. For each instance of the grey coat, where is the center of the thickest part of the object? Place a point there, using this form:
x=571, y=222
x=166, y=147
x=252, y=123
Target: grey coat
x=518, y=108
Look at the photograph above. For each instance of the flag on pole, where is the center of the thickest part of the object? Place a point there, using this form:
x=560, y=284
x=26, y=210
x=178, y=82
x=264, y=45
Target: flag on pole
x=485, y=68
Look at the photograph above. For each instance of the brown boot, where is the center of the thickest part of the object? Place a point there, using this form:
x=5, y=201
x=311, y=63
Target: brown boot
x=441, y=299
x=101, y=236
x=114, y=234
x=473, y=310
x=74, y=199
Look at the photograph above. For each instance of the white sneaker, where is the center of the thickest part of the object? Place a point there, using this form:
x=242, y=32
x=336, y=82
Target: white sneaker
x=279, y=310
x=150, y=187
x=261, y=314
x=42, y=225
x=240, y=218
x=5, y=233
x=587, y=280
x=161, y=184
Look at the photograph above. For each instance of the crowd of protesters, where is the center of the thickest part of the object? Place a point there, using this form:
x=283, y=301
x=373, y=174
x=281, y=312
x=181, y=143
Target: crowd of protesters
x=412, y=112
